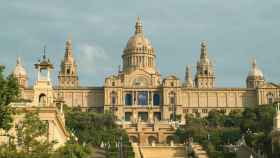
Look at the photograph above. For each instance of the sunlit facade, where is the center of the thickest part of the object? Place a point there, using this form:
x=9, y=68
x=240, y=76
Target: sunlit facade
x=148, y=106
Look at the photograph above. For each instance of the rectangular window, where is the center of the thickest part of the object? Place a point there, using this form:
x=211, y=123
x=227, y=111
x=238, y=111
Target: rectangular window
x=127, y=116
x=156, y=99
x=143, y=116
x=128, y=99
x=157, y=116
x=194, y=110
x=172, y=100
x=143, y=98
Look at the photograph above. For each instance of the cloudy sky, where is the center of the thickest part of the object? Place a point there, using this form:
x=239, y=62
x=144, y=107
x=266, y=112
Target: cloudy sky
x=236, y=31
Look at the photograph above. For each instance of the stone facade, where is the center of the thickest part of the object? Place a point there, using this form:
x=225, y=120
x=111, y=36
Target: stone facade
x=148, y=106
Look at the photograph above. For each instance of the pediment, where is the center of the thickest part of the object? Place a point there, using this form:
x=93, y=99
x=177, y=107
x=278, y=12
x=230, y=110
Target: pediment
x=140, y=78
x=270, y=85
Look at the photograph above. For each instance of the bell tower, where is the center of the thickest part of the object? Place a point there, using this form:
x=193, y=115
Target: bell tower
x=205, y=75
x=43, y=90
x=68, y=75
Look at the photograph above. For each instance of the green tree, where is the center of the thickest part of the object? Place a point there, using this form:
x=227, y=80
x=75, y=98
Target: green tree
x=9, y=91
x=256, y=125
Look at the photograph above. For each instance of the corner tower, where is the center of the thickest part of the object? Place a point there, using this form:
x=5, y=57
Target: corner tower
x=68, y=75
x=205, y=75
x=139, y=53
x=20, y=74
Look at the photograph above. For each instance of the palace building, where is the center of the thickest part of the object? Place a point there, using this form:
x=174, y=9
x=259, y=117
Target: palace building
x=148, y=106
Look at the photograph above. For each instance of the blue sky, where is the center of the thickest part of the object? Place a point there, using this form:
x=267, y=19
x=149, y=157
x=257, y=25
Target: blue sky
x=236, y=31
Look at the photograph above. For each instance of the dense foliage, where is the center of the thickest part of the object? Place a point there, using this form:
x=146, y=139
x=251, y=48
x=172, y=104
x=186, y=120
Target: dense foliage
x=9, y=92
x=100, y=131
x=217, y=130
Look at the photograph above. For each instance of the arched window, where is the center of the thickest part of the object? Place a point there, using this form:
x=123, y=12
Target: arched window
x=42, y=99
x=157, y=116
x=128, y=99
x=152, y=140
x=205, y=72
x=143, y=98
x=156, y=99
x=68, y=71
x=269, y=98
x=113, y=98
x=172, y=98
x=133, y=139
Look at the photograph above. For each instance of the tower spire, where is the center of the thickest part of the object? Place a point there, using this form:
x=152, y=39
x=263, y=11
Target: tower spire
x=188, y=77
x=68, y=47
x=44, y=52
x=138, y=26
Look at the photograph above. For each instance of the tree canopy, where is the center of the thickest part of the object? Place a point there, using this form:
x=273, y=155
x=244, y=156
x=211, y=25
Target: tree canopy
x=99, y=130
x=9, y=91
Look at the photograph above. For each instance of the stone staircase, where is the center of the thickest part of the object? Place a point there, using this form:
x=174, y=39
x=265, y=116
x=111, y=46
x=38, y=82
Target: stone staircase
x=199, y=151
x=160, y=151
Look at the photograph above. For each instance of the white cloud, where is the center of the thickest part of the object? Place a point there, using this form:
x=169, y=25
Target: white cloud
x=93, y=61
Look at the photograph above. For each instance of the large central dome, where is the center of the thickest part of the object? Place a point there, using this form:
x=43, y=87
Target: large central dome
x=138, y=40
x=139, y=53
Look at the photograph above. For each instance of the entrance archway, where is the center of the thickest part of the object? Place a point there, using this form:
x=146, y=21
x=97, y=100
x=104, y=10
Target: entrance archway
x=152, y=139
x=170, y=139
x=133, y=139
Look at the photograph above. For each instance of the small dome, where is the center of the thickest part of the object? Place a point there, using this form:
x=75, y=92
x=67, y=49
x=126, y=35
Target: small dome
x=19, y=69
x=255, y=71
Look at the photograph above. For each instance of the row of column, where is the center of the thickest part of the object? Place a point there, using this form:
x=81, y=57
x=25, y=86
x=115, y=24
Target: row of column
x=143, y=61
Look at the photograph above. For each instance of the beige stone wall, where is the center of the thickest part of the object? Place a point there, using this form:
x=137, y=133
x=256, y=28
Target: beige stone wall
x=88, y=97
x=218, y=98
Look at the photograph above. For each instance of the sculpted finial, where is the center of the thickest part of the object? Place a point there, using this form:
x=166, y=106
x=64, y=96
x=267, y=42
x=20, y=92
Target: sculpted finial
x=204, y=43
